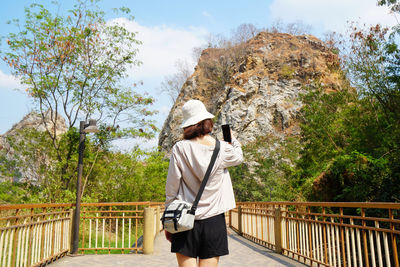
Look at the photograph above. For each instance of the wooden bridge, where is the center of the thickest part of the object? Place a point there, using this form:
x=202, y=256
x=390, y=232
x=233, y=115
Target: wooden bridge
x=311, y=233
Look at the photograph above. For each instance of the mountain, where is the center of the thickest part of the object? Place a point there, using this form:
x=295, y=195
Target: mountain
x=256, y=86
x=35, y=121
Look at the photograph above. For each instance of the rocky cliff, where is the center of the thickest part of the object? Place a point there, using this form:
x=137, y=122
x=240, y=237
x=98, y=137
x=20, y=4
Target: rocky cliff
x=255, y=86
x=31, y=121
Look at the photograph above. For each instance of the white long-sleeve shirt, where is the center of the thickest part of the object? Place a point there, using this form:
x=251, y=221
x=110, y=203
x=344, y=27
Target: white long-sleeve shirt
x=188, y=164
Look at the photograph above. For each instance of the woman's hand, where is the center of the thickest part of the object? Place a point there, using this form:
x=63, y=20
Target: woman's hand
x=168, y=236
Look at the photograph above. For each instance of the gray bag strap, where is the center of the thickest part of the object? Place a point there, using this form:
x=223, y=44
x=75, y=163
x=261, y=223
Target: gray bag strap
x=206, y=176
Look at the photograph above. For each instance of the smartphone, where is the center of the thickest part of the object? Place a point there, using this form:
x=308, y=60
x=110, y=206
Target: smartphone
x=226, y=131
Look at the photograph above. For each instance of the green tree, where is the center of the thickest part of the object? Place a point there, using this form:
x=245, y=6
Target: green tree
x=375, y=69
x=108, y=176
x=135, y=176
x=264, y=176
x=392, y=4
x=349, y=148
x=74, y=66
x=351, y=136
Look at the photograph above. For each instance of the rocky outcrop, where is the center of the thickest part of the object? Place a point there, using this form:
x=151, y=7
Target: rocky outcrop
x=36, y=121
x=255, y=86
x=27, y=172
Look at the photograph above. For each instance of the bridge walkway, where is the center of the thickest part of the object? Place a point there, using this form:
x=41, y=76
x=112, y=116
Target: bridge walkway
x=242, y=253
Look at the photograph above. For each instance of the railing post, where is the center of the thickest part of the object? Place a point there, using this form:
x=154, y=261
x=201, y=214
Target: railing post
x=230, y=218
x=44, y=225
x=240, y=230
x=278, y=230
x=13, y=243
x=148, y=231
x=71, y=229
x=158, y=226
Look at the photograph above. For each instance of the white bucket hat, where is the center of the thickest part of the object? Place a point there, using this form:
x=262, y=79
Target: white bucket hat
x=193, y=112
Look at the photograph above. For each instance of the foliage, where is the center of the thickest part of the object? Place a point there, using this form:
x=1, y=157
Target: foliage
x=323, y=136
x=138, y=176
x=350, y=141
x=264, y=175
x=108, y=175
x=349, y=146
x=74, y=66
x=348, y=149
x=31, y=152
x=353, y=177
x=287, y=72
x=245, y=187
x=8, y=167
x=392, y=4
x=17, y=193
x=373, y=67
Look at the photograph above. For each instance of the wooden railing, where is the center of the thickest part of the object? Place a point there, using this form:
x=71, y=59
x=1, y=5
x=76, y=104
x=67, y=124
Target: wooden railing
x=36, y=234
x=318, y=234
x=113, y=227
x=324, y=234
x=31, y=235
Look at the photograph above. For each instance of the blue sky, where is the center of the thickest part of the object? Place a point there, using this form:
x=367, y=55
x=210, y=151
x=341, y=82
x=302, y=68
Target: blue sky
x=170, y=29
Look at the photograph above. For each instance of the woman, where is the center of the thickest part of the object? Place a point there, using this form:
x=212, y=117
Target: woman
x=188, y=164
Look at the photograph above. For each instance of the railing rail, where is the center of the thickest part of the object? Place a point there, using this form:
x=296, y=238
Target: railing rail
x=256, y=223
x=316, y=233
x=324, y=234
x=112, y=227
x=35, y=234
x=31, y=235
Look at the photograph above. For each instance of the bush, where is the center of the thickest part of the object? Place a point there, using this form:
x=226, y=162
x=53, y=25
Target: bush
x=352, y=177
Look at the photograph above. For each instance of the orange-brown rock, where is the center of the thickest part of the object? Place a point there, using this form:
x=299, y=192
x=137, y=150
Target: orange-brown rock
x=255, y=86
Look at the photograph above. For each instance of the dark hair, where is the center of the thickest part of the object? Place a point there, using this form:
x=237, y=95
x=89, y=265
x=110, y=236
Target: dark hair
x=202, y=128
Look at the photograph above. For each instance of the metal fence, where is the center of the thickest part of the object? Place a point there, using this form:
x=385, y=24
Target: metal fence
x=324, y=234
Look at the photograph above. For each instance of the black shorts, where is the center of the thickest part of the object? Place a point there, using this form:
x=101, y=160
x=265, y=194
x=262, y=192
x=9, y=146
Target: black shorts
x=207, y=239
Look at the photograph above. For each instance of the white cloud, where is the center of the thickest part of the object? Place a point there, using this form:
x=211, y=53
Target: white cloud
x=162, y=46
x=206, y=14
x=328, y=15
x=8, y=81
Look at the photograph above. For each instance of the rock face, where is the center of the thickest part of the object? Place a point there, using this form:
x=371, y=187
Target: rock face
x=30, y=121
x=255, y=86
x=35, y=121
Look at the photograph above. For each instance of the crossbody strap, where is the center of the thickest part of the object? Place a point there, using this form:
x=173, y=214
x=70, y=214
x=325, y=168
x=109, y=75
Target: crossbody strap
x=206, y=176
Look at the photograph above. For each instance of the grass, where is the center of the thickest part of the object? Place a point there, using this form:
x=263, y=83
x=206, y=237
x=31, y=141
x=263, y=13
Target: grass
x=287, y=72
x=110, y=238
